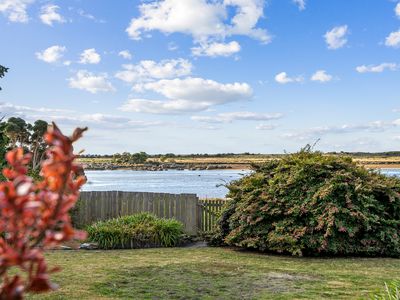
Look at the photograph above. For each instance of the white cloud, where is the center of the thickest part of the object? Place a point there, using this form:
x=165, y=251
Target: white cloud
x=300, y=3
x=266, y=126
x=125, y=54
x=15, y=10
x=52, y=54
x=216, y=49
x=172, y=46
x=393, y=40
x=397, y=10
x=75, y=118
x=283, y=78
x=84, y=80
x=336, y=37
x=6, y=107
x=162, y=107
x=201, y=19
x=237, y=116
x=377, y=68
x=49, y=14
x=321, y=76
x=188, y=95
x=147, y=70
x=86, y=15
x=90, y=56
x=316, y=132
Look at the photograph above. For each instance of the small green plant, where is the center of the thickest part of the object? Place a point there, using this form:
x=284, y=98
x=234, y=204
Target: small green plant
x=390, y=292
x=141, y=230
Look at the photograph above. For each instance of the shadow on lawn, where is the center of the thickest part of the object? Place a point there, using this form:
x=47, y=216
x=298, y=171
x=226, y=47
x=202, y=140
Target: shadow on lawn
x=197, y=280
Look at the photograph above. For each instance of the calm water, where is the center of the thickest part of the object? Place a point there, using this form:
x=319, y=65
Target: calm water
x=203, y=183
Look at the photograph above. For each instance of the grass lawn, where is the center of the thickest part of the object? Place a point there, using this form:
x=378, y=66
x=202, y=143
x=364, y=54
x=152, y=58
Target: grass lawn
x=213, y=273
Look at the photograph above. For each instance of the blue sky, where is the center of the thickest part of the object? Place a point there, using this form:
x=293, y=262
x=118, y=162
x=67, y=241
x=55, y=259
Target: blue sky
x=199, y=76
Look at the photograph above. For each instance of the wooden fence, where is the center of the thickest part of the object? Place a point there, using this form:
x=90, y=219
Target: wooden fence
x=196, y=215
x=209, y=211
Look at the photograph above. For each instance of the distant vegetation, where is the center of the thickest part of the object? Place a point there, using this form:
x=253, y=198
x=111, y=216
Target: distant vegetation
x=16, y=132
x=3, y=71
x=312, y=204
x=131, y=158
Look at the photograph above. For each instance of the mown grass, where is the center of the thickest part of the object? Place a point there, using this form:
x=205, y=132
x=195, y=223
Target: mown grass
x=214, y=273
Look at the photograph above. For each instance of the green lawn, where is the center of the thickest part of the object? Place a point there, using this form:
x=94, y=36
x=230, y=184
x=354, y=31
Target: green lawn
x=213, y=273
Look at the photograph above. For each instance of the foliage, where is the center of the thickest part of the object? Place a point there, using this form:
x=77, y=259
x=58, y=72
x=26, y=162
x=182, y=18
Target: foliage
x=3, y=149
x=34, y=216
x=16, y=132
x=309, y=204
x=134, y=158
x=3, y=71
x=141, y=230
x=391, y=292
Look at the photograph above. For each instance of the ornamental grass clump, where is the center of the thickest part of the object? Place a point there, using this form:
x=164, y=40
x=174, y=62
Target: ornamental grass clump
x=313, y=204
x=142, y=230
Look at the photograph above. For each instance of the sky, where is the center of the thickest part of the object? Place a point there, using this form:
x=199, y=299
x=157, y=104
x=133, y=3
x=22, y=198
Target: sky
x=206, y=76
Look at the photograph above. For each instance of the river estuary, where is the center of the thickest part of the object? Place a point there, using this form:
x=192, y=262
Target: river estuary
x=204, y=183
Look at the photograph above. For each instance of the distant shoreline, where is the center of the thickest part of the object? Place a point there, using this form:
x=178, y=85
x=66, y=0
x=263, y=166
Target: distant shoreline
x=237, y=167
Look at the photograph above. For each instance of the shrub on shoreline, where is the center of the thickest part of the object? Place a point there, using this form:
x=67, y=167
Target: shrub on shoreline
x=312, y=204
x=141, y=230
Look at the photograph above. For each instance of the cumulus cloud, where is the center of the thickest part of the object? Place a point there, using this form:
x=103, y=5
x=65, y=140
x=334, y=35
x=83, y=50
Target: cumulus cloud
x=321, y=76
x=301, y=4
x=188, y=95
x=201, y=19
x=216, y=49
x=125, y=54
x=52, y=54
x=397, y=10
x=147, y=70
x=337, y=37
x=87, y=81
x=15, y=10
x=90, y=56
x=49, y=15
x=393, y=39
x=377, y=68
x=283, y=78
x=237, y=116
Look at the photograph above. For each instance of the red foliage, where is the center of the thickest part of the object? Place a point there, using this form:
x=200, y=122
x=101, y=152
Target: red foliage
x=34, y=216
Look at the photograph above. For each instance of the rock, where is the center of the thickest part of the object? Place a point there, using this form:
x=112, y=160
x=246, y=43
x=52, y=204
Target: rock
x=89, y=246
x=65, y=248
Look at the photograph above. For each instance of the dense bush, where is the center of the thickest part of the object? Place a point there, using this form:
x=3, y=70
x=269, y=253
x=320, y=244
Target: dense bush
x=142, y=230
x=310, y=204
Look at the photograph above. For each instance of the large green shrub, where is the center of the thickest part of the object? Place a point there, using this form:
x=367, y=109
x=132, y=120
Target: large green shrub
x=311, y=204
x=142, y=230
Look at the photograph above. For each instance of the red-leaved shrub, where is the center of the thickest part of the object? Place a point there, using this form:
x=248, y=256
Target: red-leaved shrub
x=34, y=216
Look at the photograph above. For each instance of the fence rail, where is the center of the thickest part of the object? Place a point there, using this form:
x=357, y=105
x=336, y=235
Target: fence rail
x=196, y=215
